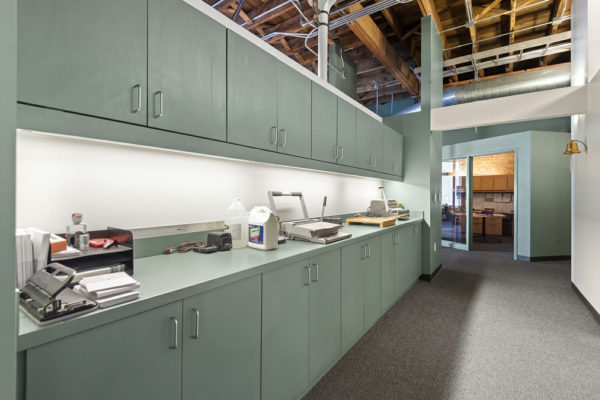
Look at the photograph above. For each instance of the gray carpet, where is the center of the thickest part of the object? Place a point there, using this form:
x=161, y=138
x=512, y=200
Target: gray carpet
x=486, y=328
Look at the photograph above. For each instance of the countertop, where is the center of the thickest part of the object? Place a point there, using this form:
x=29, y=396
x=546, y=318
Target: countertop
x=169, y=278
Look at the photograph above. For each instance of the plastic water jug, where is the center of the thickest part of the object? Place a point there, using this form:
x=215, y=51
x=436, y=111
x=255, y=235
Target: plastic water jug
x=263, y=229
x=237, y=220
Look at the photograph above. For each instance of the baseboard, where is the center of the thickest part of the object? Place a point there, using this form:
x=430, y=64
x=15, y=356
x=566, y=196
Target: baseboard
x=546, y=258
x=429, y=277
x=587, y=303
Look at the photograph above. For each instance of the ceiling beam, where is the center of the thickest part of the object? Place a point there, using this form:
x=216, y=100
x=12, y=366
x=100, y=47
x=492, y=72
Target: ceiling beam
x=392, y=21
x=511, y=28
x=368, y=32
x=486, y=10
x=428, y=8
x=267, y=11
x=559, y=5
x=369, y=65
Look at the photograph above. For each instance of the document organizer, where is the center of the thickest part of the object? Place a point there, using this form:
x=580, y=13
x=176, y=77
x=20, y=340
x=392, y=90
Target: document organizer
x=47, y=298
x=96, y=258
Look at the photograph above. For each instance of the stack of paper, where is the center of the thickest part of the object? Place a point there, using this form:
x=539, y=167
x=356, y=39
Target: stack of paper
x=70, y=252
x=24, y=257
x=41, y=247
x=109, y=289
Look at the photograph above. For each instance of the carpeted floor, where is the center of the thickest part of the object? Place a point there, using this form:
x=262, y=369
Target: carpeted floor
x=486, y=328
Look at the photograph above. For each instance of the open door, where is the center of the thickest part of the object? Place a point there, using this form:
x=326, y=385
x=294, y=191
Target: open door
x=456, y=203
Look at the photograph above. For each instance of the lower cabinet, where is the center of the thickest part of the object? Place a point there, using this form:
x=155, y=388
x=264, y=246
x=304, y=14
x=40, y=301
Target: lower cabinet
x=285, y=331
x=372, y=266
x=221, y=342
x=301, y=324
x=388, y=269
x=408, y=257
x=134, y=358
x=325, y=318
x=353, y=293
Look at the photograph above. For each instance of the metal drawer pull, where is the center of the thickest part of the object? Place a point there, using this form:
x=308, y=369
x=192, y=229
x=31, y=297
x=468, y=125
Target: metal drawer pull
x=138, y=108
x=307, y=282
x=175, y=324
x=196, y=334
x=273, y=139
x=369, y=247
x=363, y=252
x=160, y=104
x=341, y=152
x=316, y=272
x=336, y=151
x=283, y=133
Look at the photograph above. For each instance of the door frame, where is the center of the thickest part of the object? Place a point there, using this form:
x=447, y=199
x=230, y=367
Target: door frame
x=470, y=197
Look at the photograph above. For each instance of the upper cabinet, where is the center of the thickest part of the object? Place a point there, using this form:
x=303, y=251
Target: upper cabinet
x=186, y=70
x=325, y=131
x=293, y=112
x=346, y=133
x=84, y=56
x=369, y=142
x=251, y=94
x=393, y=149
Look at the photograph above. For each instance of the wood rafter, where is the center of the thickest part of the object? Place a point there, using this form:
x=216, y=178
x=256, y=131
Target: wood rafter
x=259, y=14
x=368, y=32
x=428, y=8
x=486, y=10
x=556, y=13
x=511, y=28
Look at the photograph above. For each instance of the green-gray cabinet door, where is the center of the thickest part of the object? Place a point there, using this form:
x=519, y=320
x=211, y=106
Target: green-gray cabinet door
x=373, y=281
x=364, y=141
x=408, y=258
x=324, y=124
x=84, y=56
x=251, y=94
x=325, y=317
x=391, y=138
x=353, y=293
x=138, y=357
x=285, y=333
x=388, y=269
x=378, y=145
x=399, y=152
x=294, y=112
x=221, y=341
x=186, y=70
x=346, y=133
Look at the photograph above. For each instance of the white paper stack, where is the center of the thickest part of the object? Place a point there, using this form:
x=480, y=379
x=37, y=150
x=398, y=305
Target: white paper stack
x=41, y=247
x=70, y=252
x=24, y=257
x=109, y=289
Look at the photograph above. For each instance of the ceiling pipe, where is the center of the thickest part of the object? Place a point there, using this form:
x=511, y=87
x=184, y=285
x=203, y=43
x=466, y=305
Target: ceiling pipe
x=322, y=8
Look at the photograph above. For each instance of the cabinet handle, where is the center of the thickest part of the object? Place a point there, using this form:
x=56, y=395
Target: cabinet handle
x=196, y=333
x=369, y=248
x=160, y=104
x=273, y=139
x=307, y=282
x=283, y=133
x=363, y=253
x=138, y=107
x=341, y=152
x=336, y=152
x=316, y=272
x=175, y=324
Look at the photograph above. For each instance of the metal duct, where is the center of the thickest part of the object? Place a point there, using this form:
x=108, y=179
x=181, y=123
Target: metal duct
x=527, y=82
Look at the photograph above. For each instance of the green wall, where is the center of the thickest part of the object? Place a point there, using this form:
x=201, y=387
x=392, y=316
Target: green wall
x=8, y=97
x=347, y=85
x=542, y=188
x=420, y=188
x=485, y=132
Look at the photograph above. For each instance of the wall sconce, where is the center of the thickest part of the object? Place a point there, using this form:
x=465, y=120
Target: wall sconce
x=573, y=148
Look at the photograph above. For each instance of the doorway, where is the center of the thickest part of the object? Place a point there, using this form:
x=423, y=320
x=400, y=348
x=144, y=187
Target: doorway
x=493, y=202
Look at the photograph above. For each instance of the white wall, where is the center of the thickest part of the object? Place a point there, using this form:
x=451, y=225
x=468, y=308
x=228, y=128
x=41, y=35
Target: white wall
x=585, y=189
x=131, y=187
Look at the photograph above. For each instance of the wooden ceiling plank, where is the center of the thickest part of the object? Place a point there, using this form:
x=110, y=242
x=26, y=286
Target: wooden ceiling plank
x=486, y=10
x=559, y=5
x=368, y=32
x=428, y=8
